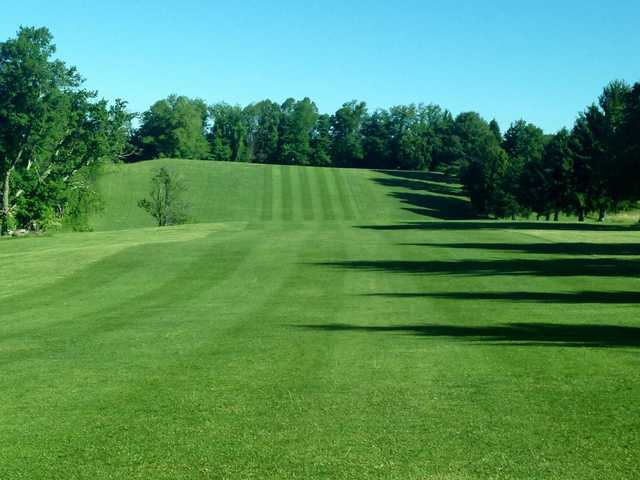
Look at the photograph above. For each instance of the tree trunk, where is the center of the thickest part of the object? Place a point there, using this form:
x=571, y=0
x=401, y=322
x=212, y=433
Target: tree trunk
x=555, y=216
x=602, y=214
x=547, y=217
x=6, y=185
x=581, y=215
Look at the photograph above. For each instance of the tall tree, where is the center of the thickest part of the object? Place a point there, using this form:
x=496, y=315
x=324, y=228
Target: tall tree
x=174, y=127
x=597, y=145
x=524, y=144
x=609, y=162
x=413, y=135
x=376, y=140
x=495, y=128
x=557, y=170
x=298, y=121
x=483, y=178
x=263, y=120
x=470, y=132
x=229, y=133
x=627, y=176
x=33, y=105
x=50, y=129
x=347, y=147
x=545, y=182
x=448, y=151
x=483, y=166
x=321, y=141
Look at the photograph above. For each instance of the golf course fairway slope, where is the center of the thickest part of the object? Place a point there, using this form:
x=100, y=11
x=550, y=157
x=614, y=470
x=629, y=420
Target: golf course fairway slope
x=318, y=323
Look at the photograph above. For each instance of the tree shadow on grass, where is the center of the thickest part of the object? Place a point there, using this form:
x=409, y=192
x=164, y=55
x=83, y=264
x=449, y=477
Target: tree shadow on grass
x=436, y=206
x=524, y=334
x=419, y=186
x=567, y=248
x=591, y=297
x=503, y=225
x=432, y=195
x=435, y=177
x=597, y=267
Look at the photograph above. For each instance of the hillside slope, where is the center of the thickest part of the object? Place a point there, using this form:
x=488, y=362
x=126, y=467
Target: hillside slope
x=224, y=192
x=335, y=324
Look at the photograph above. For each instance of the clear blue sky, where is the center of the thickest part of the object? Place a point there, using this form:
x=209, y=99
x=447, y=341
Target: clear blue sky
x=543, y=61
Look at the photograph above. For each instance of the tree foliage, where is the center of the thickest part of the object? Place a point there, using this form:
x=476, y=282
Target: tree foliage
x=165, y=202
x=174, y=127
x=296, y=127
x=346, y=127
x=50, y=131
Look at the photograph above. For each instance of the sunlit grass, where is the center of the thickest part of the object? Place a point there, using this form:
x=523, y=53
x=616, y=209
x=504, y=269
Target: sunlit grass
x=312, y=327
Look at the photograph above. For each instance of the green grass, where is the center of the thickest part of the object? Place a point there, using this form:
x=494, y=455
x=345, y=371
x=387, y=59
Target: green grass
x=319, y=324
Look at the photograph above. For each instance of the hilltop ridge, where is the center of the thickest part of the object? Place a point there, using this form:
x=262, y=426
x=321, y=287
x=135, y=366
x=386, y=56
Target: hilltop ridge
x=225, y=192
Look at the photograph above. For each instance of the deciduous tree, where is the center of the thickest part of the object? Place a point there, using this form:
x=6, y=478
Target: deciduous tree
x=165, y=202
x=174, y=127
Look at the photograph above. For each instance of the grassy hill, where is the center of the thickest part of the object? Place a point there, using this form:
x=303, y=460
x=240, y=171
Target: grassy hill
x=223, y=192
x=318, y=324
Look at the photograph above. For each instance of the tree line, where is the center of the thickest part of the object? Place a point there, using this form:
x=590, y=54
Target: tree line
x=55, y=135
x=594, y=167
x=413, y=137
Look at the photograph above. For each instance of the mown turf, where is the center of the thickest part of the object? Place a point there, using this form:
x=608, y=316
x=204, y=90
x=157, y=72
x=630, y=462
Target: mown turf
x=223, y=192
x=323, y=324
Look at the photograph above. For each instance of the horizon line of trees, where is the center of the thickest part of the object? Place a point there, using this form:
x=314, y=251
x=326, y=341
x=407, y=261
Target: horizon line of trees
x=55, y=136
x=409, y=137
x=594, y=167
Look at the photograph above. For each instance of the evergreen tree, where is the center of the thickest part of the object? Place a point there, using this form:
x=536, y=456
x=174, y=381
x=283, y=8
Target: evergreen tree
x=524, y=144
x=495, y=128
x=483, y=166
x=597, y=147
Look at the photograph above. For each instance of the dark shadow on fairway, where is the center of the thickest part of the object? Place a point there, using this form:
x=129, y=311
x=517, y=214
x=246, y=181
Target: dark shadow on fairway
x=597, y=267
x=435, y=206
x=419, y=186
x=420, y=176
x=432, y=194
x=629, y=298
x=502, y=225
x=545, y=248
x=526, y=334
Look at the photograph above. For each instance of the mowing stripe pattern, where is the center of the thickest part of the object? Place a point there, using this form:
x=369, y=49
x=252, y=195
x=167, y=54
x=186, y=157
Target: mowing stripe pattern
x=343, y=195
x=267, y=194
x=325, y=199
x=287, y=193
x=306, y=196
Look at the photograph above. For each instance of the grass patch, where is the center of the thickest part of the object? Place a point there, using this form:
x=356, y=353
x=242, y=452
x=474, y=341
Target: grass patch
x=279, y=343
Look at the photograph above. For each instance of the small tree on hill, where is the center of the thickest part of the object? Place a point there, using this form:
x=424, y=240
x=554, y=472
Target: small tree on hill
x=165, y=204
